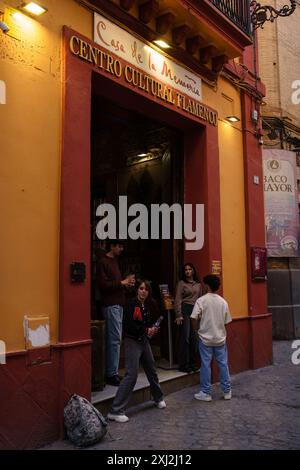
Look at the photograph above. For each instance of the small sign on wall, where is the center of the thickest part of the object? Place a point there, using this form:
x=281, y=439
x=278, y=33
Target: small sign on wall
x=216, y=267
x=167, y=299
x=258, y=264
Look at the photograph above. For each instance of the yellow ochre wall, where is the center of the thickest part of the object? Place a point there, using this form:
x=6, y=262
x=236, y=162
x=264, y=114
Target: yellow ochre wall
x=30, y=137
x=226, y=99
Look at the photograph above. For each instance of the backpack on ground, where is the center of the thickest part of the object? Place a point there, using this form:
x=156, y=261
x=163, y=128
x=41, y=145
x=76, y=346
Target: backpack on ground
x=85, y=425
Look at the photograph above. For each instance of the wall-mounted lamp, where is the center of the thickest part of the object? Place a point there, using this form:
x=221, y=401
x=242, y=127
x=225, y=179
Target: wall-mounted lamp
x=162, y=44
x=33, y=8
x=232, y=119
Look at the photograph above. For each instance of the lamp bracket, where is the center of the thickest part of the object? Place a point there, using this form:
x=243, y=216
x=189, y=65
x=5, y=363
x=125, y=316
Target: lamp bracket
x=262, y=13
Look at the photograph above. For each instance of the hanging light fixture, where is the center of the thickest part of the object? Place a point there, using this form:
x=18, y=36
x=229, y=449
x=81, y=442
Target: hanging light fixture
x=262, y=13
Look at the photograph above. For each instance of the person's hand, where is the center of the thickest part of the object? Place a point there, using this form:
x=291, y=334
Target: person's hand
x=129, y=281
x=131, y=278
x=179, y=321
x=152, y=331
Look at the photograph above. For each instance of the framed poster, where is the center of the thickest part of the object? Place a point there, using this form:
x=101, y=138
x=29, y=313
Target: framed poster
x=167, y=299
x=258, y=264
x=281, y=203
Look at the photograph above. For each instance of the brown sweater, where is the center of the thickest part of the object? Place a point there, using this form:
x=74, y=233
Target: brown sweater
x=109, y=281
x=186, y=293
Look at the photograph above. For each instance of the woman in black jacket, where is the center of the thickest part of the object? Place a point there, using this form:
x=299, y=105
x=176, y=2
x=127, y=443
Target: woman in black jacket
x=138, y=329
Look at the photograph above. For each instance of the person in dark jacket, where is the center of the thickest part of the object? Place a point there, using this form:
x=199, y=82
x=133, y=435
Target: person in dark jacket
x=138, y=329
x=111, y=287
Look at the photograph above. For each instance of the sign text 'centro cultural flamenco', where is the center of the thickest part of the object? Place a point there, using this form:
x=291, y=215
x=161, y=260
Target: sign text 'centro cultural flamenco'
x=142, y=67
x=281, y=204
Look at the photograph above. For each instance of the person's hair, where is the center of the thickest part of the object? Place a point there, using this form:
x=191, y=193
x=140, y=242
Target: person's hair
x=195, y=275
x=147, y=283
x=212, y=281
x=114, y=242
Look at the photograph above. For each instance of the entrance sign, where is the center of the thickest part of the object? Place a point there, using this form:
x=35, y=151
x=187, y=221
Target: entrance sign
x=134, y=77
x=281, y=203
x=131, y=76
x=118, y=41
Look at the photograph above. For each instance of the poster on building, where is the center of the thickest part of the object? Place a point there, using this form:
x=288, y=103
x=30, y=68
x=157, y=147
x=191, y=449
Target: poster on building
x=281, y=203
x=166, y=297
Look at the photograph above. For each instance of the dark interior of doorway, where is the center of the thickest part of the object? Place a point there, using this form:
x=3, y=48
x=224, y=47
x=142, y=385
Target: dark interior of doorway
x=141, y=158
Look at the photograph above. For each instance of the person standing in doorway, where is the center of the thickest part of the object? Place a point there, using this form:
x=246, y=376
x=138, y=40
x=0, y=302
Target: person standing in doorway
x=209, y=317
x=188, y=290
x=138, y=329
x=111, y=286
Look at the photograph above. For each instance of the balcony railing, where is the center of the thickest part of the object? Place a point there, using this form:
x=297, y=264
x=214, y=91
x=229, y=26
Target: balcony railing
x=238, y=11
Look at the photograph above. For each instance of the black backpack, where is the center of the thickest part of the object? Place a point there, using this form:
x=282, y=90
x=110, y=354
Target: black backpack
x=84, y=424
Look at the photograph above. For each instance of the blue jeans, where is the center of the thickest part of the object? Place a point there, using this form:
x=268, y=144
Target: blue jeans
x=113, y=316
x=206, y=354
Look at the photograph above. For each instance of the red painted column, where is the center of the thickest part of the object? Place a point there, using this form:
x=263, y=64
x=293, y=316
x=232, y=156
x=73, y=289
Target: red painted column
x=202, y=186
x=261, y=328
x=75, y=198
x=74, y=302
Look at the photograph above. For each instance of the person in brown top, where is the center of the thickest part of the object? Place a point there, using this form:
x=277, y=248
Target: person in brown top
x=111, y=286
x=188, y=290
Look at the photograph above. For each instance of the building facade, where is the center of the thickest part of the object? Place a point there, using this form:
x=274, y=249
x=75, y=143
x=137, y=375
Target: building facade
x=85, y=94
x=280, y=71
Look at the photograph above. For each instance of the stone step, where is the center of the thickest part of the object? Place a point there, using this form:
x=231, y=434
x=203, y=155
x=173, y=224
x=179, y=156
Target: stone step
x=170, y=380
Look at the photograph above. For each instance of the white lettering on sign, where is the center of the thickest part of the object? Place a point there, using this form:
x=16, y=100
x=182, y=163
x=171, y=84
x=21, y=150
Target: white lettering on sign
x=124, y=45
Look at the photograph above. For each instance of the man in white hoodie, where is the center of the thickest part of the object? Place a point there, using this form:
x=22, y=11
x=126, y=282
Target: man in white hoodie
x=209, y=317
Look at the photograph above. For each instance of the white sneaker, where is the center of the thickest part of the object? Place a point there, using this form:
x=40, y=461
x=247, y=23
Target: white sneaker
x=118, y=418
x=228, y=395
x=161, y=404
x=202, y=396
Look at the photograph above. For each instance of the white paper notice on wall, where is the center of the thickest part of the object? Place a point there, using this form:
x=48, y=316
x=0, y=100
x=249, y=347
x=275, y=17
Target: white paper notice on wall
x=2, y=92
x=2, y=352
x=36, y=331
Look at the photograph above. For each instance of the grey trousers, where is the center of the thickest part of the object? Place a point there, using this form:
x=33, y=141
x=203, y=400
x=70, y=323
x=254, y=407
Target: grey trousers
x=136, y=351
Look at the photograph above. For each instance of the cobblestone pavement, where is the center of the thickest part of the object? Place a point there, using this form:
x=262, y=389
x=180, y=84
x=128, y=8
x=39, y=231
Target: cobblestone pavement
x=264, y=413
